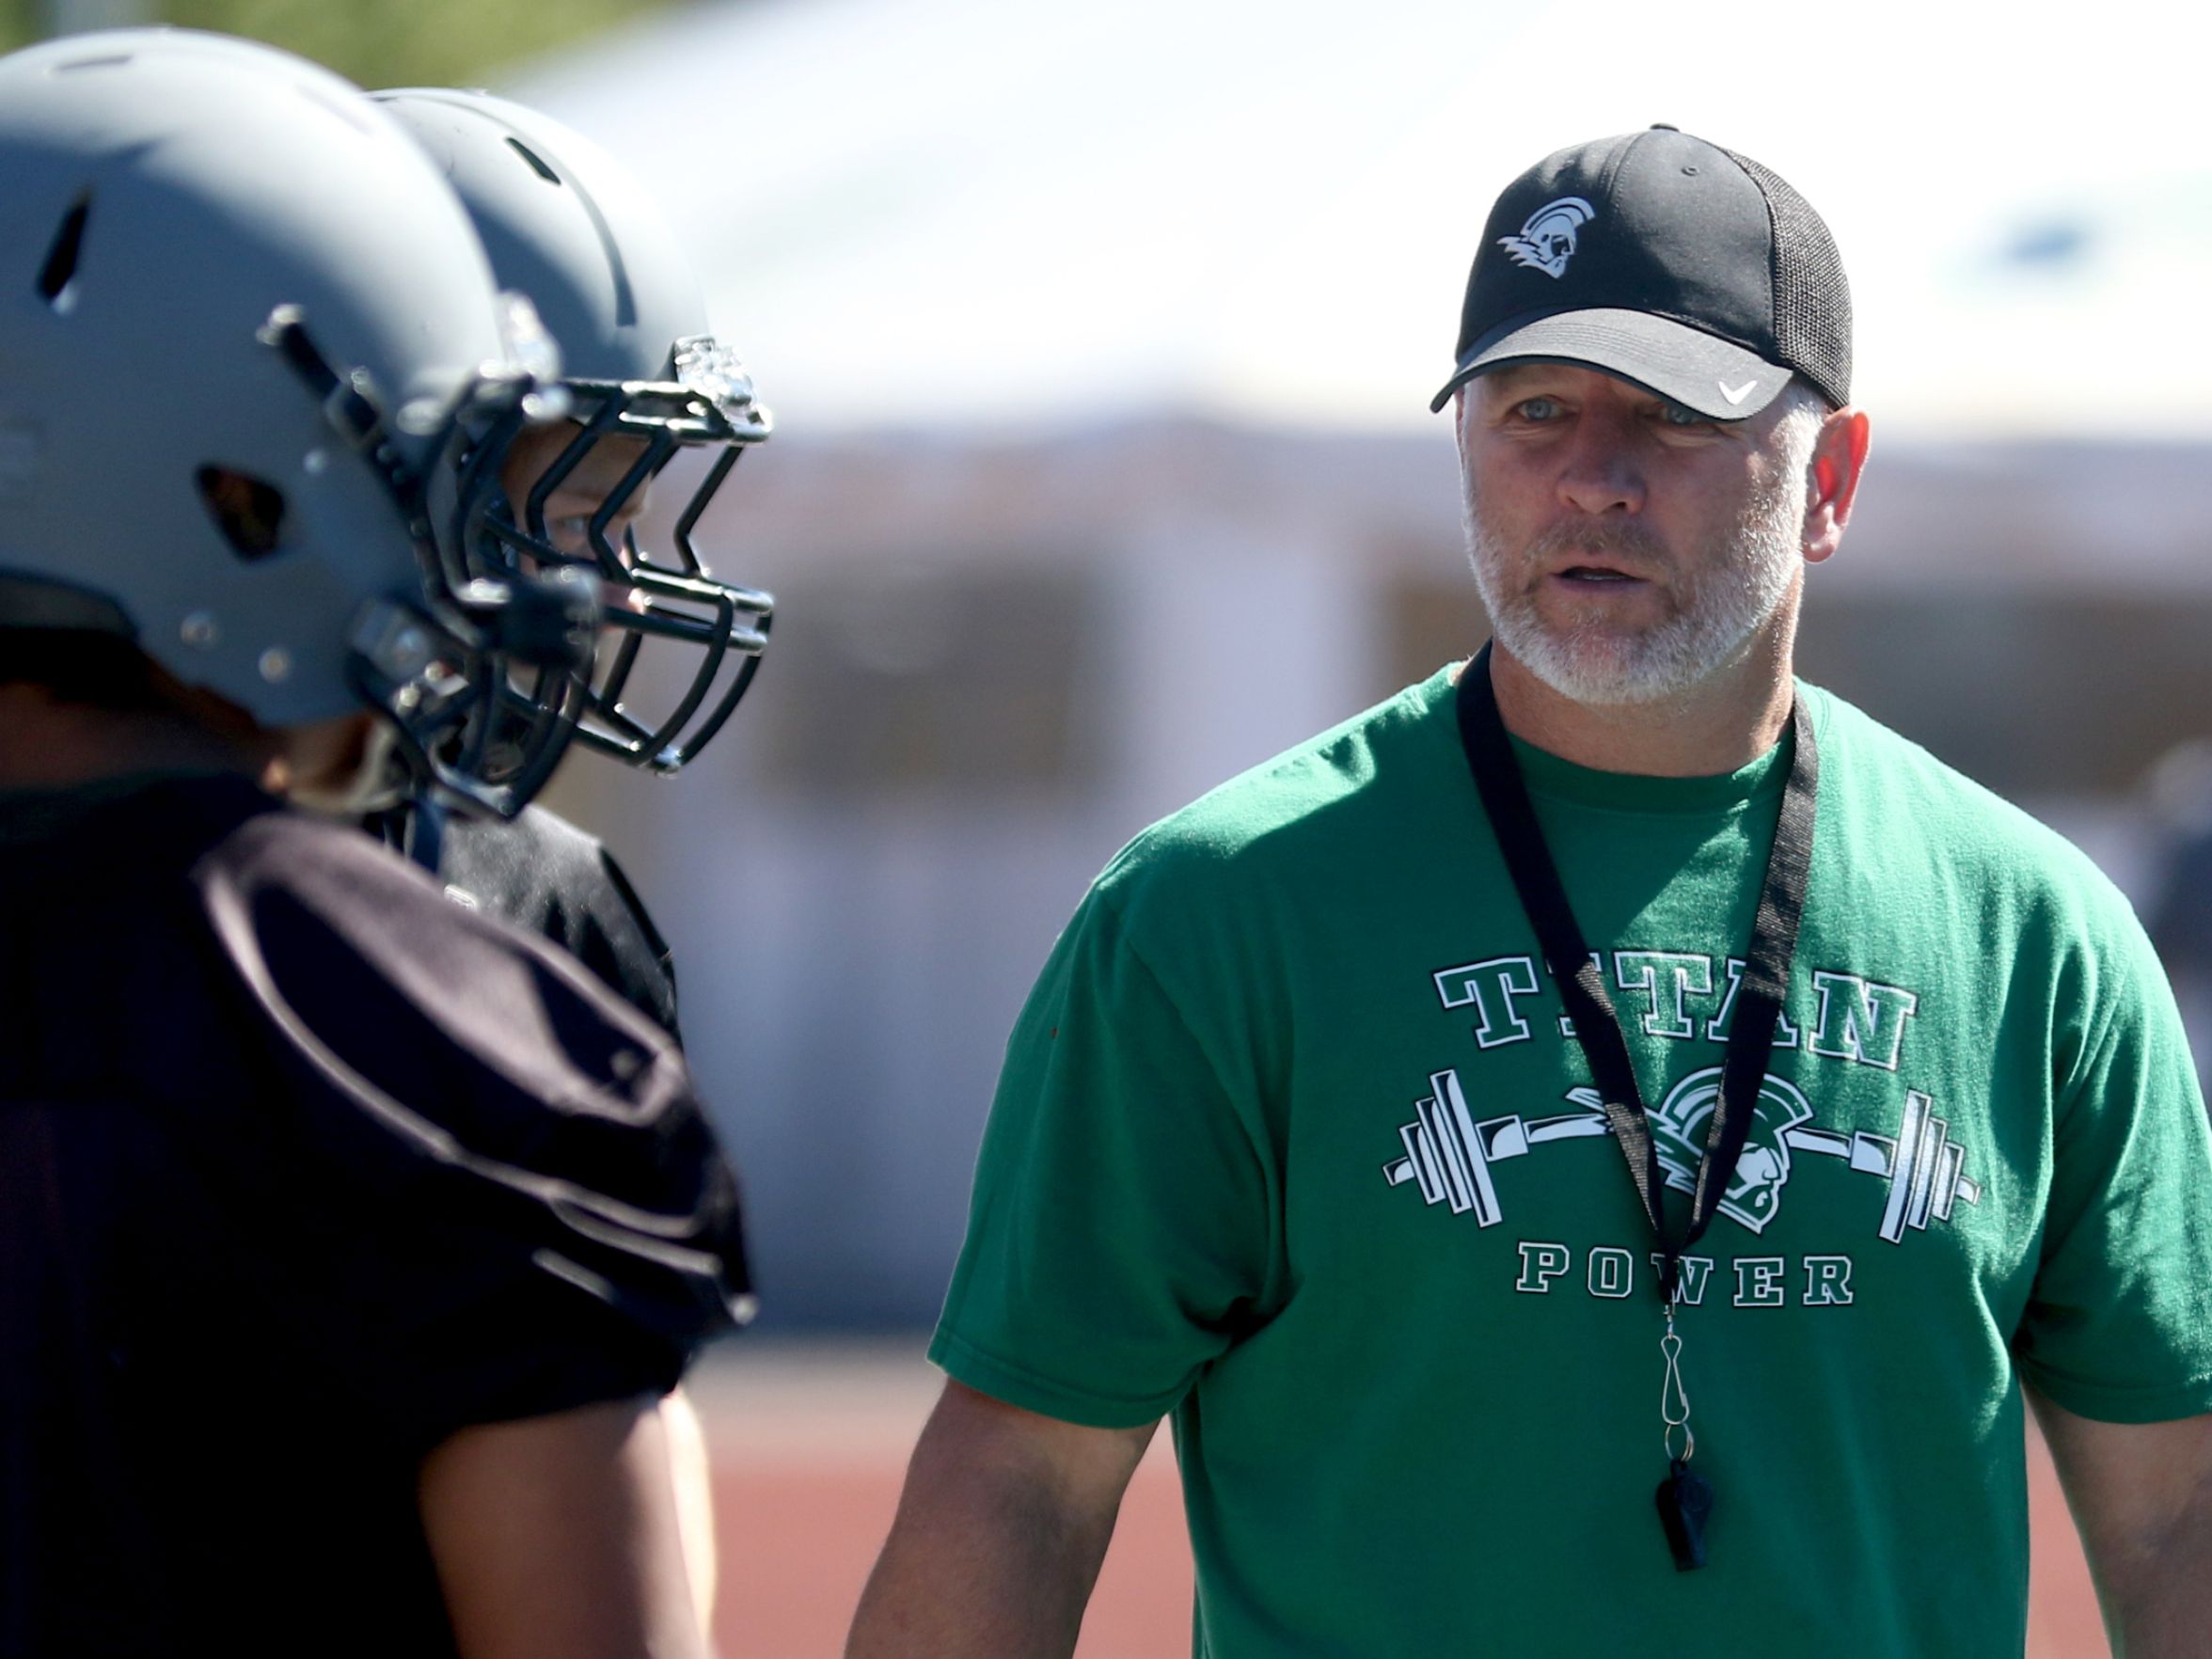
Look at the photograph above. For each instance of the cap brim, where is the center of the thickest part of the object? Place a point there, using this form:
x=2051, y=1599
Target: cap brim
x=1684, y=364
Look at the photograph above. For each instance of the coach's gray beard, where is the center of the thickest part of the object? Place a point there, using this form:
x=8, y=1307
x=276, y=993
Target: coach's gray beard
x=1720, y=610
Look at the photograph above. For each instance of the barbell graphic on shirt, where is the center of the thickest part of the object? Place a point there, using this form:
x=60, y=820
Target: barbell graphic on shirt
x=1449, y=1153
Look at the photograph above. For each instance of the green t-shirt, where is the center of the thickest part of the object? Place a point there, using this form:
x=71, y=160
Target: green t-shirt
x=1289, y=1141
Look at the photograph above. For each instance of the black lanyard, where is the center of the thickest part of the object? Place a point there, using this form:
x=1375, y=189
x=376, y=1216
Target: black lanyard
x=1581, y=984
x=1597, y=1026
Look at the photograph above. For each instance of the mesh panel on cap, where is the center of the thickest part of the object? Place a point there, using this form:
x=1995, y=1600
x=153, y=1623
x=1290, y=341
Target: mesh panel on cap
x=1812, y=301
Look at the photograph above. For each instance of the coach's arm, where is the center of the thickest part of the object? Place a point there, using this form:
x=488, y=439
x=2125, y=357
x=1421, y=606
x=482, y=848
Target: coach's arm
x=1000, y=1531
x=2142, y=1495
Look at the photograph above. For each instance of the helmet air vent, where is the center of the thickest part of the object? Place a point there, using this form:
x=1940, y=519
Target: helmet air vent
x=536, y=161
x=247, y=511
x=57, y=277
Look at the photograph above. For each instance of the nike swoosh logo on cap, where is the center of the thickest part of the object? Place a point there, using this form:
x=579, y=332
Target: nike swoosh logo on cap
x=1735, y=394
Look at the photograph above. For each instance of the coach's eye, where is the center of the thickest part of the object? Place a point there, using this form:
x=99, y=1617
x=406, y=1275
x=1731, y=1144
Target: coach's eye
x=1538, y=409
x=1676, y=415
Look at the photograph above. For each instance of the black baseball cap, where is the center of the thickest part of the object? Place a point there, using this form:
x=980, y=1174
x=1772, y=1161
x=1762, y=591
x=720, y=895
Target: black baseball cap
x=1684, y=267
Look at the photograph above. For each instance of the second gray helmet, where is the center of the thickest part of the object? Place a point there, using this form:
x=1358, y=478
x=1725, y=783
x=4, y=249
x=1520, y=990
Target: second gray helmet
x=565, y=224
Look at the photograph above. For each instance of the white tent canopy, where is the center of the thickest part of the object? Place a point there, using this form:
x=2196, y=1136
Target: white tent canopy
x=999, y=212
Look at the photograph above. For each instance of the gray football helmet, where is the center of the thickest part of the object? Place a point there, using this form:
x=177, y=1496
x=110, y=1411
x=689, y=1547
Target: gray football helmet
x=565, y=224
x=256, y=378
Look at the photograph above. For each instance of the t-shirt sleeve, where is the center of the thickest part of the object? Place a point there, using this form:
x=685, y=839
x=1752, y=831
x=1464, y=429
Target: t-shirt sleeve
x=491, y=1185
x=2119, y=1326
x=1126, y=1211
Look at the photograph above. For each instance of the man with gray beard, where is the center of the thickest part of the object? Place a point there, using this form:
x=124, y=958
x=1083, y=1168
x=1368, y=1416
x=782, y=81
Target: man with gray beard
x=1313, y=1132
x=1719, y=612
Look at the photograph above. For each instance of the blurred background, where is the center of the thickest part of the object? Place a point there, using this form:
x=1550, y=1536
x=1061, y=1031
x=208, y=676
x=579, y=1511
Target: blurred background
x=1101, y=341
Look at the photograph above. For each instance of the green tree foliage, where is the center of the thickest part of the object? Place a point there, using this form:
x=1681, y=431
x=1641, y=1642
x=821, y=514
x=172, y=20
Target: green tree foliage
x=378, y=43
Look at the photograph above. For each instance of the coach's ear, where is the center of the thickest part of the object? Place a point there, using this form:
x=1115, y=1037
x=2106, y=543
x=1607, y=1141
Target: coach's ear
x=1839, y=456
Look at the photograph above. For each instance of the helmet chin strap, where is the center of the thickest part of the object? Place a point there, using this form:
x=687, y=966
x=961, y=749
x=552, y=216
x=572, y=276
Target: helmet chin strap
x=376, y=783
x=423, y=837
x=380, y=792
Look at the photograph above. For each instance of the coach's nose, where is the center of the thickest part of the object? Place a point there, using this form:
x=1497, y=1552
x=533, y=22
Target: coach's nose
x=1598, y=472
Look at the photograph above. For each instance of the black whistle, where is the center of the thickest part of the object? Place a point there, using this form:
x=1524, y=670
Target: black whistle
x=1685, y=1504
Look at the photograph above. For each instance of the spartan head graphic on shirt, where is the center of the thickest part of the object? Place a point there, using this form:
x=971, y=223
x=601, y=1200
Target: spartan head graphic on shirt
x=1678, y=1132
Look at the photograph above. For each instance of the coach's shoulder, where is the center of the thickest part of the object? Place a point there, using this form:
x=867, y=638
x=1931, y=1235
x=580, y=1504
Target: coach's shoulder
x=1298, y=811
x=1903, y=804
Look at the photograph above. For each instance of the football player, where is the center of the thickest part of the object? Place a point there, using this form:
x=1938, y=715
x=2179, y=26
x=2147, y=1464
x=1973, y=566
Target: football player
x=647, y=384
x=287, y=1138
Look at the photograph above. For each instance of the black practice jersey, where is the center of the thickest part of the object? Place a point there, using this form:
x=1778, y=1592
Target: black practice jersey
x=544, y=874
x=303, y=1167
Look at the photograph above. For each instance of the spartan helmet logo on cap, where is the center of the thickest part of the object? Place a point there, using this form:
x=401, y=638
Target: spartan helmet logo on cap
x=1547, y=241
x=1755, y=1192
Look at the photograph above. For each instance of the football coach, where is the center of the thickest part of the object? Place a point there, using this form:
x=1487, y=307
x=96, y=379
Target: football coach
x=1597, y=1154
